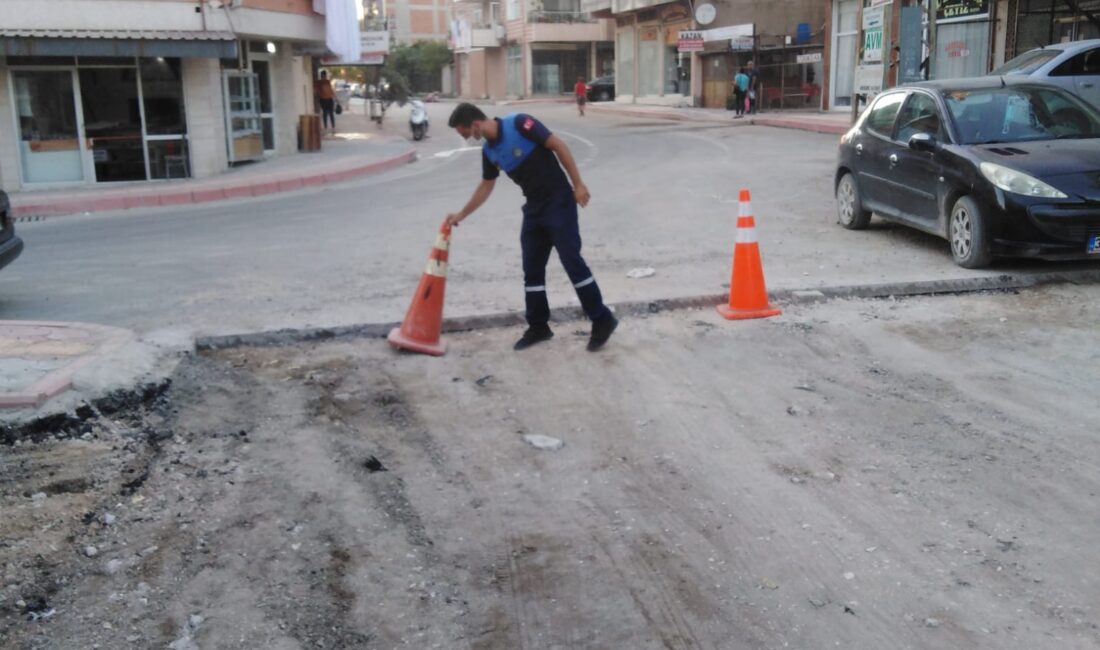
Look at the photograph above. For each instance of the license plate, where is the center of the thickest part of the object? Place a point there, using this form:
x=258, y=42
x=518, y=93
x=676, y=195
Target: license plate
x=1093, y=247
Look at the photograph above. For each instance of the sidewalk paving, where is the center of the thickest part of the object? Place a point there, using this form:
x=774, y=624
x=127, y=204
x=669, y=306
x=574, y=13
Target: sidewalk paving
x=355, y=151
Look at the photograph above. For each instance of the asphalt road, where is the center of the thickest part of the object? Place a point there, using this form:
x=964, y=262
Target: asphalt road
x=664, y=197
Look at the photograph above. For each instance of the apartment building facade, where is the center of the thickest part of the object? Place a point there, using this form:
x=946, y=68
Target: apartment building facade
x=526, y=48
x=108, y=91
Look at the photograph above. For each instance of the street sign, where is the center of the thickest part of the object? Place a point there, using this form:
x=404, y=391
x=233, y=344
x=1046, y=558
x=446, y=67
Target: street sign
x=872, y=35
x=691, y=41
x=812, y=57
x=868, y=79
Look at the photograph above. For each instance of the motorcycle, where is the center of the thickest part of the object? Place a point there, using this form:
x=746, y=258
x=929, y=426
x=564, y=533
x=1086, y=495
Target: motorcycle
x=418, y=119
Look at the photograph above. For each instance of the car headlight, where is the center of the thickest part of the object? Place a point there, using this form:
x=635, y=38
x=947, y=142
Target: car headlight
x=1016, y=182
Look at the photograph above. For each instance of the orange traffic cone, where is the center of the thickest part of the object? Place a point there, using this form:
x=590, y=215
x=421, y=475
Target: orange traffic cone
x=748, y=297
x=419, y=332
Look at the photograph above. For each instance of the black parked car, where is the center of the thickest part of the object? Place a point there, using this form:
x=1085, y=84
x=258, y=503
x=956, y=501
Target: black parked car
x=996, y=166
x=601, y=89
x=10, y=245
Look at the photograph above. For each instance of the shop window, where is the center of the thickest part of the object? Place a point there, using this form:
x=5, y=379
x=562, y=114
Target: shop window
x=112, y=122
x=162, y=92
x=49, y=144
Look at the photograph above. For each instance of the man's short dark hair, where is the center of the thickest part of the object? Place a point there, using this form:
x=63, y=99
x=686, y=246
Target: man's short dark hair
x=465, y=114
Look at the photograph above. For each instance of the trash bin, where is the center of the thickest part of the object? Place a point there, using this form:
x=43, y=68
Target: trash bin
x=309, y=132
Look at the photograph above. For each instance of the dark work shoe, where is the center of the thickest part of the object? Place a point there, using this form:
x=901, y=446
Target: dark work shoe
x=532, y=336
x=601, y=331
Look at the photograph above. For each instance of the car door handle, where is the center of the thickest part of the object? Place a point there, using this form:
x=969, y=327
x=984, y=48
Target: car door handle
x=1087, y=85
x=893, y=159
x=859, y=149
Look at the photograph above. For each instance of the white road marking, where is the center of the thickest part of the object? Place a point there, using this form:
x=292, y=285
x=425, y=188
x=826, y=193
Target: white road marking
x=451, y=152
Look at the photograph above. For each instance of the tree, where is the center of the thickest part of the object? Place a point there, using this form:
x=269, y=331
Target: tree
x=420, y=64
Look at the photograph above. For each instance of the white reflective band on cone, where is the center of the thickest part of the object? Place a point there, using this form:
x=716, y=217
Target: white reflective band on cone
x=442, y=243
x=436, y=268
x=746, y=235
x=744, y=209
x=585, y=283
x=535, y=289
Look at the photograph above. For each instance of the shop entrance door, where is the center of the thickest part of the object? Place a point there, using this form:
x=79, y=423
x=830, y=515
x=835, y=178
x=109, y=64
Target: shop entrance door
x=51, y=149
x=261, y=66
x=112, y=123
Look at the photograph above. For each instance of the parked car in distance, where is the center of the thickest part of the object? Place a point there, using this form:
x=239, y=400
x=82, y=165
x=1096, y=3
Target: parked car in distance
x=10, y=245
x=601, y=89
x=1074, y=66
x=997, y=166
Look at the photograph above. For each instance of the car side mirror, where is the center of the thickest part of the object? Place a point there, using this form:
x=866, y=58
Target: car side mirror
x=923, y=142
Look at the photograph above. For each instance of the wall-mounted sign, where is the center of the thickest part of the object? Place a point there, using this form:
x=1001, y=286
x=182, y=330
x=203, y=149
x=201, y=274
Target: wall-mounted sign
x=812, y=57
x=956, y=49
x=952, y=10
x=705, y=14
x=728, y=33
x=690, y=41
x=872, y=35
x=868, y=80
x=374, y=41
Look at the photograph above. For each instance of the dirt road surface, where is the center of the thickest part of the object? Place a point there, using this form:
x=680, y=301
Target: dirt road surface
x=854, y=474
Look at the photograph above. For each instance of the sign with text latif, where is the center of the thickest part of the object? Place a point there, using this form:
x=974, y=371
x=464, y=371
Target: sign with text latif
x=961, y=9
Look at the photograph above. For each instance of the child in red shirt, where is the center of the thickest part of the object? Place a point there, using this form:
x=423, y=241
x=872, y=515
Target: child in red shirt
x=580, y=90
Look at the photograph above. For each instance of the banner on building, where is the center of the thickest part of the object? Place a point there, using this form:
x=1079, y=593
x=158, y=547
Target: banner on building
x=955, y=10
x=872, y=35
x=691, y=41
x=811, y=57
x=728, y=33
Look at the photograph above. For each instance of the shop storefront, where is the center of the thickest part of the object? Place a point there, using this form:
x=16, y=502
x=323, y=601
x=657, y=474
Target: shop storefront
x=649, y=66
x=555, y=67
x=1043, y=22
x=99, y=119
x=127, y=110
x=963, y=39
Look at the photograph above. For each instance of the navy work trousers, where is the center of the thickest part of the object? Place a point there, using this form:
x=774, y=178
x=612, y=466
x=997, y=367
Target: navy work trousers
x=553, y=224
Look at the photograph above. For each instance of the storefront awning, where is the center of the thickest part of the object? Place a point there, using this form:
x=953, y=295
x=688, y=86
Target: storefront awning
x=90, y=42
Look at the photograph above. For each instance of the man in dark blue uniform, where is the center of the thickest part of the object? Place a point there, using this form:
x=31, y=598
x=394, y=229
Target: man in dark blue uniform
x=524, y=149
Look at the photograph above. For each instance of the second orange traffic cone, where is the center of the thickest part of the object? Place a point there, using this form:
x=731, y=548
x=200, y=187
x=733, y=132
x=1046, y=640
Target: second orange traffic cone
x=420, y=331
x=748, y=296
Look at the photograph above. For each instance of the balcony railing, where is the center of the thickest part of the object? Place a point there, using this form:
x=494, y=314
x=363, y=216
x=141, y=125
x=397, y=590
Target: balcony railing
x=560, y=17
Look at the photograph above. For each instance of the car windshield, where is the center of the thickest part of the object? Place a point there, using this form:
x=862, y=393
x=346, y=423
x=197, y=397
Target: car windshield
x=1019, y=114
x=1026, y=63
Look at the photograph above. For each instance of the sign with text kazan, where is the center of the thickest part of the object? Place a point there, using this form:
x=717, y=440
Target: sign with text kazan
x=872, y=35
x=952, y=10
x=690, y=41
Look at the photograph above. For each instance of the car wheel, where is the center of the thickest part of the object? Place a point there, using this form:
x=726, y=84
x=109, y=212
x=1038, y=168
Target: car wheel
x=967, y=234
x=849, y=205
x=604, y=96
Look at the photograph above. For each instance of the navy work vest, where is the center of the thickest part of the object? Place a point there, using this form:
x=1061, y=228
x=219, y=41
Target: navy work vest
x=511, y=147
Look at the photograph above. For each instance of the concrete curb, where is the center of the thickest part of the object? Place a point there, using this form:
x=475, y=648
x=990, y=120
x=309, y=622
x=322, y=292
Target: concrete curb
x=34, y=210
x=793, y=296
x=815, y=126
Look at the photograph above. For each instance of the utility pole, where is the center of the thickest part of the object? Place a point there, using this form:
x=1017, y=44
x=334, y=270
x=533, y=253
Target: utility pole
x=932, y=11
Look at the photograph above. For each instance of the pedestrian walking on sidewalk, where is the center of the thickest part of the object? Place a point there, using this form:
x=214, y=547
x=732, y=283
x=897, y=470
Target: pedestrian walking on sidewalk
x=580, y=91
x=524, y=148
x=740, y=93
x=326, y=97
x=754, y=85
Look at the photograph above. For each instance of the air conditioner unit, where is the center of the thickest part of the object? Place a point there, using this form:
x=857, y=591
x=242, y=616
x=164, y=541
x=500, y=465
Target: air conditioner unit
x=498, y=31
